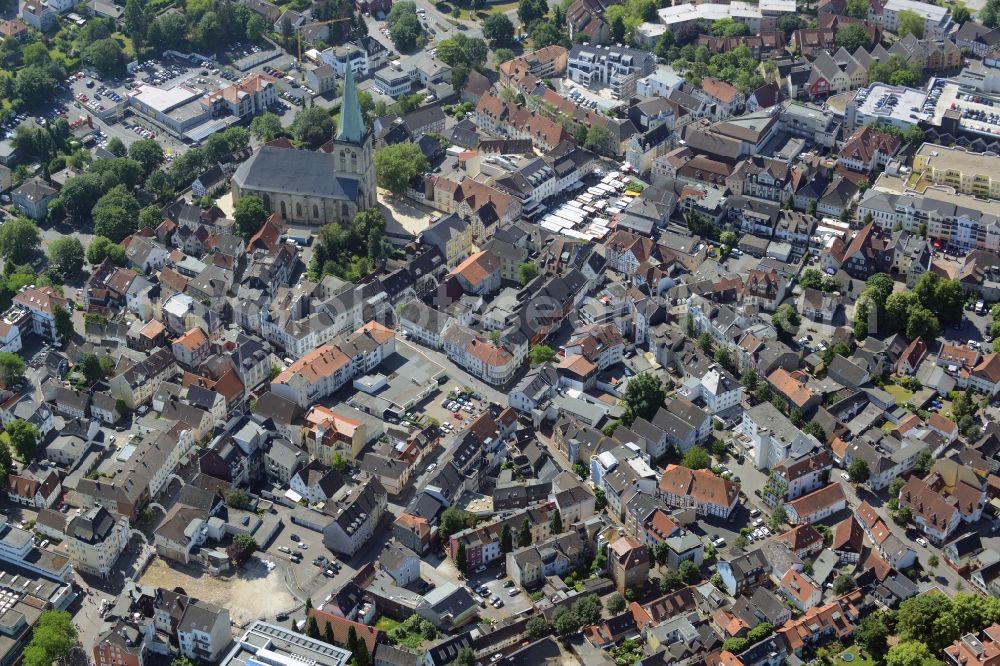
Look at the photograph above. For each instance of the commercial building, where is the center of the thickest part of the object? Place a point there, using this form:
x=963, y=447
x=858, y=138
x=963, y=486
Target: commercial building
x=265, y=643
x=887, y=105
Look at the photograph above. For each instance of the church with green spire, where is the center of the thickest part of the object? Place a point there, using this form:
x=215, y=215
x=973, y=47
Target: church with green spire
x=331, y=184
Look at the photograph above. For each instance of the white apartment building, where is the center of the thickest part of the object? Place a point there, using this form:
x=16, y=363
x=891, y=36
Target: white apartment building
x=95, y=539
x=204, y=631
x=717, y=388
x=937, y=20
x=612, y=67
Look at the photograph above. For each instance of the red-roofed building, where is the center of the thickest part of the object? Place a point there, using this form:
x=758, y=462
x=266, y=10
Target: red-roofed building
x=816, y=505
x=698, y=489
x=803, y=540
x=341, y=628
x=192, y=348
x=801, y=591
x=727, y=99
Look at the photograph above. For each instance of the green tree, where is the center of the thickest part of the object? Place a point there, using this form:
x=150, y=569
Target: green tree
x=339, y=462
x=843, y=584
x=763, y=392
x=11, y=369
x=461, y=559
x=670, y=580
x=644, y=395
x=599, y=140
x=64, y=323
x=106, y=56
x=150, y=217
x=729, y=239
x=911, y=653
x=102, y=248
x=788, y=24
x=396, y=166
x=786, y=318
x=858, y=471
x=615, y=604
x=689, y=572
x=858, y=8
x=735, y=645
x=565, y=622
x=404, y=26
x=506, y=539
x=705, y=343
x=960, y=13
x=115, y=214
x=453, y=520
x=526, y=272
x=910, y=23
x=238, y=499
x=66, y=255
x=312, y=627
x=53, y=637
x=922, y=323
x=873, y=634
x=529, y=11
x=266, y=127
x=852, y=38
x=250, y=215
x=556, y=524
x=498, y=29
x=949, y=298
x=537, y=627
x=136, y=22
x=312, y=126
x=90, y=365
x=34, y=85
x=502, y=54
x=749, y=379
x=542, y=354
x=524, y=535
x=816, y=430
x=23, y=437
x=588, y=609
x=117, y=147
x=897, y=308
x=696, y=458
x=19, y=239
x=778, y=519
x=242, y=548
x=148, y=153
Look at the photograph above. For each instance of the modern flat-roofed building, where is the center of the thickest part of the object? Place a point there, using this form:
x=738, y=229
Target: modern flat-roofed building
x=266, y=643
x=967, y=172
x=887, y=105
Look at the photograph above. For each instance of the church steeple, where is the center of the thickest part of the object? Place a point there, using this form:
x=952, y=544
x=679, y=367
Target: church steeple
x=352, y=125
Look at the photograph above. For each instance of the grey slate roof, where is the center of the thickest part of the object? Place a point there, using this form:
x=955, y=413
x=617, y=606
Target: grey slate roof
x=301, y=172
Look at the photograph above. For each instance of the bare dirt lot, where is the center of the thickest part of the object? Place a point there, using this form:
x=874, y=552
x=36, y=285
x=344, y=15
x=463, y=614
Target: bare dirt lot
x=253, y=593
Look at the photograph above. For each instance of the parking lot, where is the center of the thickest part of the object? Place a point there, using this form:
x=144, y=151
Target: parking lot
x=438, y=572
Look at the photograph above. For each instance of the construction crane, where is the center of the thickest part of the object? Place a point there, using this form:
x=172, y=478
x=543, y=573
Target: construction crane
x=298, y=33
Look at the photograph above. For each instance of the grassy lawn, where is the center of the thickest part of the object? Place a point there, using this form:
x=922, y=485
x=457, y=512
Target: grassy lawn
x=901, y=394
x=500, y=8
x=411, y=640
x=859, y=659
